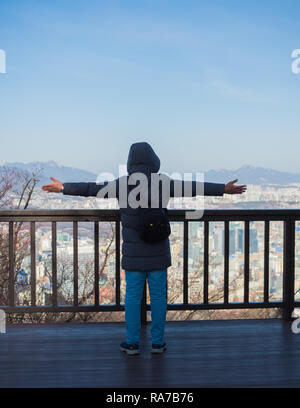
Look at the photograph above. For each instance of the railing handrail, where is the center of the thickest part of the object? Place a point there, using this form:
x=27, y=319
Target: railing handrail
x=174, y=215
x=111, y=212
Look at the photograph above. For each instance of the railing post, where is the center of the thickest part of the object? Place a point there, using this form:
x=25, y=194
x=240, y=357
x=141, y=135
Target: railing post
x=288, y=268
x=185, y=262
x=54, y=265
x=144, y=307
x=118, y=264
x=96, y=263
x=75, y=263
x=32, y=264
x=267, y=261
x=246, y=261
x=206, y=262
x=226, y=262
x=11, y=281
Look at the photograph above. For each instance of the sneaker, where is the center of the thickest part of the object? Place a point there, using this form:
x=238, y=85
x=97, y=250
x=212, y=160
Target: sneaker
x=130, y=349
x=158, y=348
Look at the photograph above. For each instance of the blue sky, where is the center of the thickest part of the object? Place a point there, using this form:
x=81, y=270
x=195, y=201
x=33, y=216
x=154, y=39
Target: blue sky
x=207, y=83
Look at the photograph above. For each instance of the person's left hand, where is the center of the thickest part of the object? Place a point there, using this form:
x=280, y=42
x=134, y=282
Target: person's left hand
x=231, y=188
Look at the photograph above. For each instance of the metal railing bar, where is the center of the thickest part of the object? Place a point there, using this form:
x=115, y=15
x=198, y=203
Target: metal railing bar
x=185, y=262
x=32, y=264
x=75, y=262
x=54, y=265
x=266, y=261
x=246, y=262
x=226, y=261
x=289, y=268
x=11, y=280
x=120, y=308
x=118, y=262
x=96, y=263
x=206, y=261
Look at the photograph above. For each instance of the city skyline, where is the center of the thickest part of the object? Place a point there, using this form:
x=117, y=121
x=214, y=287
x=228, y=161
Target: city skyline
x=280, y=198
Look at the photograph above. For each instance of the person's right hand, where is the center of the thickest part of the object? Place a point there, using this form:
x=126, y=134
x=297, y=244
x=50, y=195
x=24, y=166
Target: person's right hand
x=55, y=187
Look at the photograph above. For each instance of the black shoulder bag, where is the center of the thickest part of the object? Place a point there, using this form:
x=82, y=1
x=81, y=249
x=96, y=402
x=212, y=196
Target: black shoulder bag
x=154, y=224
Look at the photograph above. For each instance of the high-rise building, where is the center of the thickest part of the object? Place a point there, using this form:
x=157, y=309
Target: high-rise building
x=253, y=241
x=232, y=234
x=219, y=240
x=240, y=240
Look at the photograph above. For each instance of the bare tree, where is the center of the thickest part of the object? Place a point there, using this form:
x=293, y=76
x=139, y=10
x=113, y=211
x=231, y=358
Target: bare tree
x=86, y=286
x=16, y=189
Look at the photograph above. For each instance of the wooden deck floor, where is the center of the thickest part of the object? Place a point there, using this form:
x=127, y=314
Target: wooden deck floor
x=238, y=353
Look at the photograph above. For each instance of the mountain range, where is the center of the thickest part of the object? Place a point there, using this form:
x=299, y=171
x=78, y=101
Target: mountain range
x=253, y=175
x=246, y=174
x=52, y=169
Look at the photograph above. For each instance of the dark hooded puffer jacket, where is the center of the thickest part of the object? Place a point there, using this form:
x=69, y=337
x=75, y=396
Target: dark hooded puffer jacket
x=137, y=254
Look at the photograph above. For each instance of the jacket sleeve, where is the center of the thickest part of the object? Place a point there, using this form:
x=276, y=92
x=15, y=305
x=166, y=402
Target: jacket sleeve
x=194, y=188
x=213, y=189
x=90, y=189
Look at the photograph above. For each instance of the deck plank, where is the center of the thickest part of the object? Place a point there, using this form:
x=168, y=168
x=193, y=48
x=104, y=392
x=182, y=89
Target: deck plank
x=232, y=353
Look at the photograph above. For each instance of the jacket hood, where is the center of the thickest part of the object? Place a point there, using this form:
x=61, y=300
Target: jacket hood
x=142, y=159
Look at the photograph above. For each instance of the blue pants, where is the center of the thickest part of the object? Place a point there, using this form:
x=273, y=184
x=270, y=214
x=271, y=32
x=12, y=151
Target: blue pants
x=157, y=282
